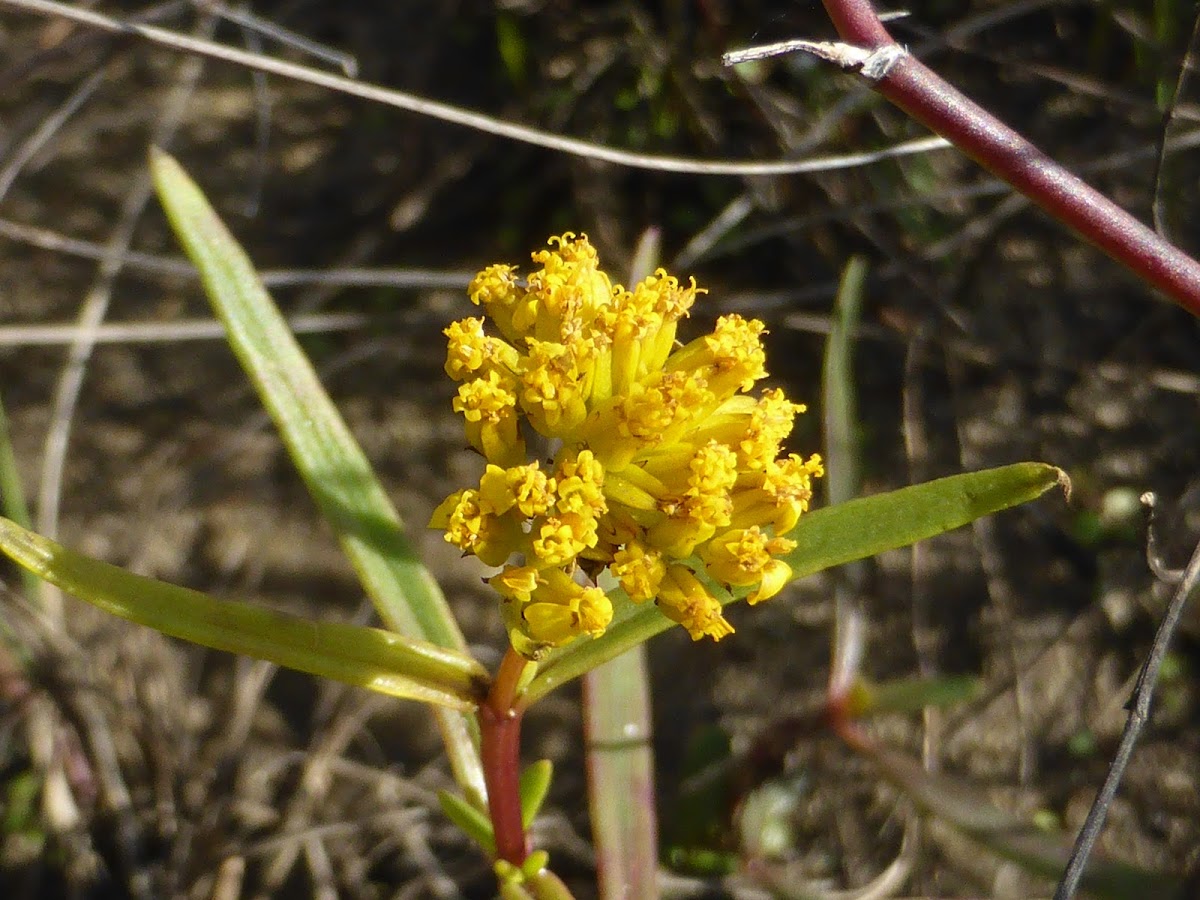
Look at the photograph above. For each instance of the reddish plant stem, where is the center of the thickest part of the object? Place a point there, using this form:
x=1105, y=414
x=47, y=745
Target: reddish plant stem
x=499, y=750
x=928, y=99
x=500, y=754
x=857, y=23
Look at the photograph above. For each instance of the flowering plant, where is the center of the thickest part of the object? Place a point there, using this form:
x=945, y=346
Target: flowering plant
x=665, y=495
x=667, y=474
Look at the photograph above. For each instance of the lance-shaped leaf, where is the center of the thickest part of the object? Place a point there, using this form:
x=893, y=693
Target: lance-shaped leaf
x=909, y=694
x=470, y=820
x=829, y=537
x=379, y=660
x=328, y=458
x=325, y=453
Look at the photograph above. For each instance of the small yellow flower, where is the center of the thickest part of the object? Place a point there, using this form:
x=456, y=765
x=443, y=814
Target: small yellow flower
x=527, y=488
x=488, y=405
x=516, y=583
x=668, y=473
x=554, y=383
x=640, y=571
x=683, y=598
x=476, y=531
x=745, y=556
x=560, y=609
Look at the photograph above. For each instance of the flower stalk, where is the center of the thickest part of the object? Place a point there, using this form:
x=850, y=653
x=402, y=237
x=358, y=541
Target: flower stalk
x=500, y=751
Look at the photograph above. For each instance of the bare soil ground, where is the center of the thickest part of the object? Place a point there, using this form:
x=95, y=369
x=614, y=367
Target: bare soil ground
x=989, y=336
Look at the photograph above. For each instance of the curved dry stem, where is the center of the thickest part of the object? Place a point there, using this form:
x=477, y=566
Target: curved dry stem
x=458, y=116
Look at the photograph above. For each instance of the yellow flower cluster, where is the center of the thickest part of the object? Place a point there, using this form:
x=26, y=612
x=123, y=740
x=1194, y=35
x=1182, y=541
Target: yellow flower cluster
x=665, y=471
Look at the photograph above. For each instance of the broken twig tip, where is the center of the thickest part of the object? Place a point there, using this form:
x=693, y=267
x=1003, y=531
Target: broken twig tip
x=881, y=61
x=873, y=64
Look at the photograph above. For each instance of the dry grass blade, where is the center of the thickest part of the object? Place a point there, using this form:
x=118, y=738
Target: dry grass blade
x=93, y=310
x=465, y=118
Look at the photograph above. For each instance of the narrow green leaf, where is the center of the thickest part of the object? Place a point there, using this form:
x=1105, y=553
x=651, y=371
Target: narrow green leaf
x=473, y=823
x=533, y=787
x=838, y=406
x=870, y=525
x=830, y=537
x=328, y=457
x=12, y=494
x=841, y=451
x=322, y=448
x=379, y=660
x=910, y=694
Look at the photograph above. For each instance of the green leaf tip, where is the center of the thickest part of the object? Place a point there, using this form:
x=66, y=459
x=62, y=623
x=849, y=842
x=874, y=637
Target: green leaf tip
x=870, y=525
x=534, y=785
x=473, y=823
x=831, y=537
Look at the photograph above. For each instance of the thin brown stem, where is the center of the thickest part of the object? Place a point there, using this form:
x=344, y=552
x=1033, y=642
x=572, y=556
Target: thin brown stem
x=927, y=98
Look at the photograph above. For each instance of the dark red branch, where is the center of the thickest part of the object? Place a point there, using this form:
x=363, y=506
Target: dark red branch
x=928, y=99
x=857, y=23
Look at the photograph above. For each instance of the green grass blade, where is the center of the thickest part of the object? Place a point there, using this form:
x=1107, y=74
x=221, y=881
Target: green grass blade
x=831, y=537
x=329, y=459
x=12, y=496
x=372, y=658
x=838, y=406
x=841, y=449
